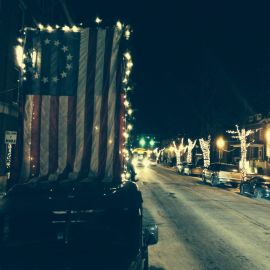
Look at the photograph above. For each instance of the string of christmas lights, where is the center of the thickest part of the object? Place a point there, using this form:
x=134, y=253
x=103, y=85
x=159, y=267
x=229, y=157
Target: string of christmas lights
x=179, y=151
x=21, y=57
x=190, y=147
x=242, y=137
x=205, y=146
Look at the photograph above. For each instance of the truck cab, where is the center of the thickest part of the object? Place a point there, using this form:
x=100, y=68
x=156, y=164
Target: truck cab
x=68, y=225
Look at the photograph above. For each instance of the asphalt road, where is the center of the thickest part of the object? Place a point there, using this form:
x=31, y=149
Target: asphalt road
x=203, y=227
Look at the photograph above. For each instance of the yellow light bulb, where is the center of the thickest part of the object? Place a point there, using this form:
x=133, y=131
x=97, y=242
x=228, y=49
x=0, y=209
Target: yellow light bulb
x=129, y=64
x=75, y=28
x=127, y=56
x=49, y=28
x=98, y=20
x=119, y=25
x=40, y=26
x=65, y=28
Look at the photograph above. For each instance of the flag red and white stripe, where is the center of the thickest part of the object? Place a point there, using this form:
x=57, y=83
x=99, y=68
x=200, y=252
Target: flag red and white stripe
x=78, y=134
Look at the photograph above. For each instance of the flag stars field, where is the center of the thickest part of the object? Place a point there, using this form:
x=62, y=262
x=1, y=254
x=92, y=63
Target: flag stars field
x=55, y=79
x=45, y=80
x=57, y=43
x=69, y=66
x=69, y=57
x=64, y=48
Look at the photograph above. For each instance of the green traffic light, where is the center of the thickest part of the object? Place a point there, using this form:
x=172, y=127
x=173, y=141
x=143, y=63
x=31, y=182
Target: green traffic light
x=142, y=142
x=152, y=142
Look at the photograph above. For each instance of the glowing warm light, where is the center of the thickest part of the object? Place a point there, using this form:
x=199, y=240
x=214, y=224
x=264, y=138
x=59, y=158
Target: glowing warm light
x=220, y=143
x=119, y=25
x=75, y=28
x=98, y=20
x=40, y=26
x=19, y=56
x=171, y=149
x=126, y=103
x=127, y=33
x=66, y=28
x=49, y=28
x=129, y=64
x=57, y=26
x=267, y=135
x=146, y=162
x=242, y=135
x=126, y=135
x=205, y=146
x=130, y=111
x=129, y=126
x=127, y=55
x=20, y=40
x=191, y=145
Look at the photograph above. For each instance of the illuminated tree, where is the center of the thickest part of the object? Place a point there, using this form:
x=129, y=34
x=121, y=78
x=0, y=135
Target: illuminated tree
x=190, y=147
x=181, y=149
x=205, y=146
x=242, y=137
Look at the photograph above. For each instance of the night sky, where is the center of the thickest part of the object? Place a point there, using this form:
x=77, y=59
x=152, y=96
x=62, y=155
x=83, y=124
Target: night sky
x=199, y=66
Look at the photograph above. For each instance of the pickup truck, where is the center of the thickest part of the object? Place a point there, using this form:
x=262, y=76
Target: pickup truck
x=74, y=225
x=222, y=173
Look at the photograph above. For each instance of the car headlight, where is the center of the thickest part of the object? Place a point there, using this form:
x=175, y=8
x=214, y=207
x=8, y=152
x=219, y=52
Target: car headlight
x=145, y=162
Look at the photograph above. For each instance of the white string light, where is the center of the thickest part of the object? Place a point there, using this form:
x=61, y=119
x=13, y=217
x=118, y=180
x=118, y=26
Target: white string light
x=49, y=28
x=40, y=26
x=65, y=28
x=127, y=32
x=205, y=146
x=190, y=147
x=242, y=137
x=179, y=151
x=98, y=20
x=119, y=25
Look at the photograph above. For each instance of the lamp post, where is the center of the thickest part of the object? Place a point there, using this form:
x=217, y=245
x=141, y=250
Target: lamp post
x=220, y=145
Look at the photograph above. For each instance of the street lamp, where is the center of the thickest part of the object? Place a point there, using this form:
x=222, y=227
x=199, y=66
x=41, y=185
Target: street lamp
x=220, y=145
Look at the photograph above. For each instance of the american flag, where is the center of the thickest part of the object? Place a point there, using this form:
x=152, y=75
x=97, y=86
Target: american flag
x=72, y=104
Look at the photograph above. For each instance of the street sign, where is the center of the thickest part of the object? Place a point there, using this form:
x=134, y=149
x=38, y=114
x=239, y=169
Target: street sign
x=10, y=137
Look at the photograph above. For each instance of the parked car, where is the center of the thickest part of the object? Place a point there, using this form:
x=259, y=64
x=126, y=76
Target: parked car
x=258, y=187
x=180, y=167
x=192, y=169
x=222, y=173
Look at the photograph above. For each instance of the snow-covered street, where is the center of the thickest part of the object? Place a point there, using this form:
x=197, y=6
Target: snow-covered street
x=203, y=227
